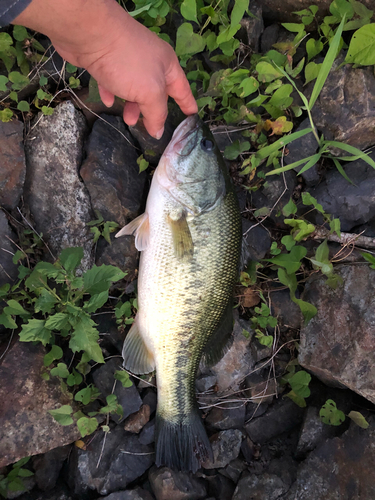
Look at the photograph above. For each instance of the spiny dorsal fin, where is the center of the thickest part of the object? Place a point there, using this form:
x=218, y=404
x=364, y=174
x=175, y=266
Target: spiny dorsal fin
x=137, y=358
x=219, y=341
x=140, y=227
x=182, y=240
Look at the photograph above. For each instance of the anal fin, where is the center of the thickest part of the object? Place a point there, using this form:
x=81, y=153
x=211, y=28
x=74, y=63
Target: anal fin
x=140, y=227
x=218, y=343
x=137, y=358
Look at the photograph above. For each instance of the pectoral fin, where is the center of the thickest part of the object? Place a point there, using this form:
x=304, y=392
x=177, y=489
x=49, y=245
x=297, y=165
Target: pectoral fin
x=140, y=227
x=137, y=358
x=182, y=240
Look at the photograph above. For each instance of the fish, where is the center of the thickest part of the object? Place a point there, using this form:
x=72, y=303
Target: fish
x=190, y=241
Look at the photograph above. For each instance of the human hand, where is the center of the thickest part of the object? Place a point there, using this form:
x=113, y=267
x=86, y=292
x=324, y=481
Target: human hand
x=125, y=58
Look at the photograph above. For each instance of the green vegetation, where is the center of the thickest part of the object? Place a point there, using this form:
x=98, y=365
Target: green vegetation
x=13, y=480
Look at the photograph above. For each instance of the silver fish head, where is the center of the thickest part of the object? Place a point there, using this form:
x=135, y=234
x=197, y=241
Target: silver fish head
x=193, y=167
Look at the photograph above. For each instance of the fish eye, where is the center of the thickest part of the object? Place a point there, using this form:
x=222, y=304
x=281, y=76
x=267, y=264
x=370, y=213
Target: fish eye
x=206, y=144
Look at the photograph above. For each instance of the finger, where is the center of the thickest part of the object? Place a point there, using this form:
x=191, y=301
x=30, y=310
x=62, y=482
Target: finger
x=131, y=113
x=178, y=87
x=155, y=112
x=106, y=96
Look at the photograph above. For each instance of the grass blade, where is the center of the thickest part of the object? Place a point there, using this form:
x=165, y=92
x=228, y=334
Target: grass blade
x=352, y=150
x=327, y=64
x=266, y=151
x=341, y=170
x=313, y=158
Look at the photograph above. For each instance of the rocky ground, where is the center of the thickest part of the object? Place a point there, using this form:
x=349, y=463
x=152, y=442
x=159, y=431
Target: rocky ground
x=61, y=169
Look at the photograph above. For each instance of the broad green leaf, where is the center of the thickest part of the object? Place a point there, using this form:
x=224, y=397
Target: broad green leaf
x=70, y=68
x=20, y=33
x=326, y=65
x=99, y=279
x=48, y=269
x=85, y=396
x=290, y=208
x=238, y=11
x=47, y=111
x=7, y=321
x=312, y=71
x=5, y=41
x=288, y=241
x=188, y=42
x=248, y=86
x=267, y=72
x=70, y=258
x=358, y=419
x=62, y=415
x=3, y=83
x=96, y=302
x=74, y=378
x=85, y=337
x=6, y=114
x=290, y=261
x=335, y=226
x=55, y=353
x=57, y=321
x=123, y=377
x=307, y=199
x=18, y=80
x=45, y=302
x=25, y=473
x=313, y=48
x=61, y=370
x=144, y=8
x=227, y=34
x=294, y=27
x=143, y=164
x=367, y=256
x=87, y=426
x=189, y=10
x=43, y=80
x=301, y=230
x=299, y=382
x=307, y=309
x=281, y=98
x=112, y=406
x=289, y=280
x=23, y=106
x=235, y=149
x=15, y=309
x=341, y=8
x=35, y=330
x=299, y=400
x=330, y=414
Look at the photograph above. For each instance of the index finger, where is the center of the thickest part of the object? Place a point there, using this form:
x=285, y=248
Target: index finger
x=178, y=88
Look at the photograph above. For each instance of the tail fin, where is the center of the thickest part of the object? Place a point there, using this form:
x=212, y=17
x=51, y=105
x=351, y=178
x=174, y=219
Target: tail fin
x=182, y=446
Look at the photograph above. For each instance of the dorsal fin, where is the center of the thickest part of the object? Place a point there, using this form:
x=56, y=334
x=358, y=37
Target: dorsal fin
x=182, y=240
x=137, y=358
x=140, y=227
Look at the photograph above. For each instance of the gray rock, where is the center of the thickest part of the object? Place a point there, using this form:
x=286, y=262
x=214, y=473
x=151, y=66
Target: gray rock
x=313, y=432
x=283, y=308
x=220, y=487
x=337, y=344
x=60, y=492
x=48, y=466
x=340, y=469
x=302, y=148
x=353, y=204
x=167, y=484
x=262, y=487
x=257, y=240
x=136, y=494
x=8, y=270
x=110, y=171
x=149, y=397
x=122, y=460
x=58, y=200
x=147, y=435
x=13, y=167
x=27, y=427
x=252, y=27
x=236, y=363
x=234, y=470
x=229, y=416
x=128, y=397
x=345, y=108
x=282, y=416
x=136, y=421
x=270, y=36
x=226, y=447
x=121, y=253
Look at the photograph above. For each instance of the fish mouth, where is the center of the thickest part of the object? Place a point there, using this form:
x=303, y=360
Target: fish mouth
x=182, y=133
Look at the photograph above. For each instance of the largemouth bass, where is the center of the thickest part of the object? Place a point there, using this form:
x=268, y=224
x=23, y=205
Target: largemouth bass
x=190, y=238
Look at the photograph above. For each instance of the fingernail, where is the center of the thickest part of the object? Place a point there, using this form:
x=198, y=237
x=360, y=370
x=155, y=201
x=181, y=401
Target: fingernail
x=159, y=134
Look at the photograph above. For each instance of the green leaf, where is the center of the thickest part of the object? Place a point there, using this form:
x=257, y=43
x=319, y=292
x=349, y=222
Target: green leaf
x=143, y=164
x=267, y=72
x=312, y=71
x=367, y=256
x=18, y=80
x=294, y=27
x=74, y=83
x=45, y=302
x=62, y=415
x=35, y=330
x=85, y=396
x=189, y=10
x=6, y=114
x=299, y=382
x=313, y=48
x=249, y=86
x=47, y=111
x=7, y=321
x=188, y=42
x=288, y=241
x=99, y=279
x=112, y=406
x=239, y=9
x=96, y=302
x=47, y=269
x=20, y=33
x=61, y=370
x=352, y=150
x=330, y=414
x=58, y=321
x=3, y=83
x=307, y=309
x=299, y=400
x=358, y=419
x=70, y=258
x=5, y=41
x=307, y=199
x=326, y=65
x=235, y=149
x=290, y=261
x=55, y=353
x=43, y=80
x=341, y=8
x=335, y=226
x=85, y=336
x=87, y=426
x=74, y=378
x=281, y=98
x=70, y=68
x=290, y=208
x=15, y=309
